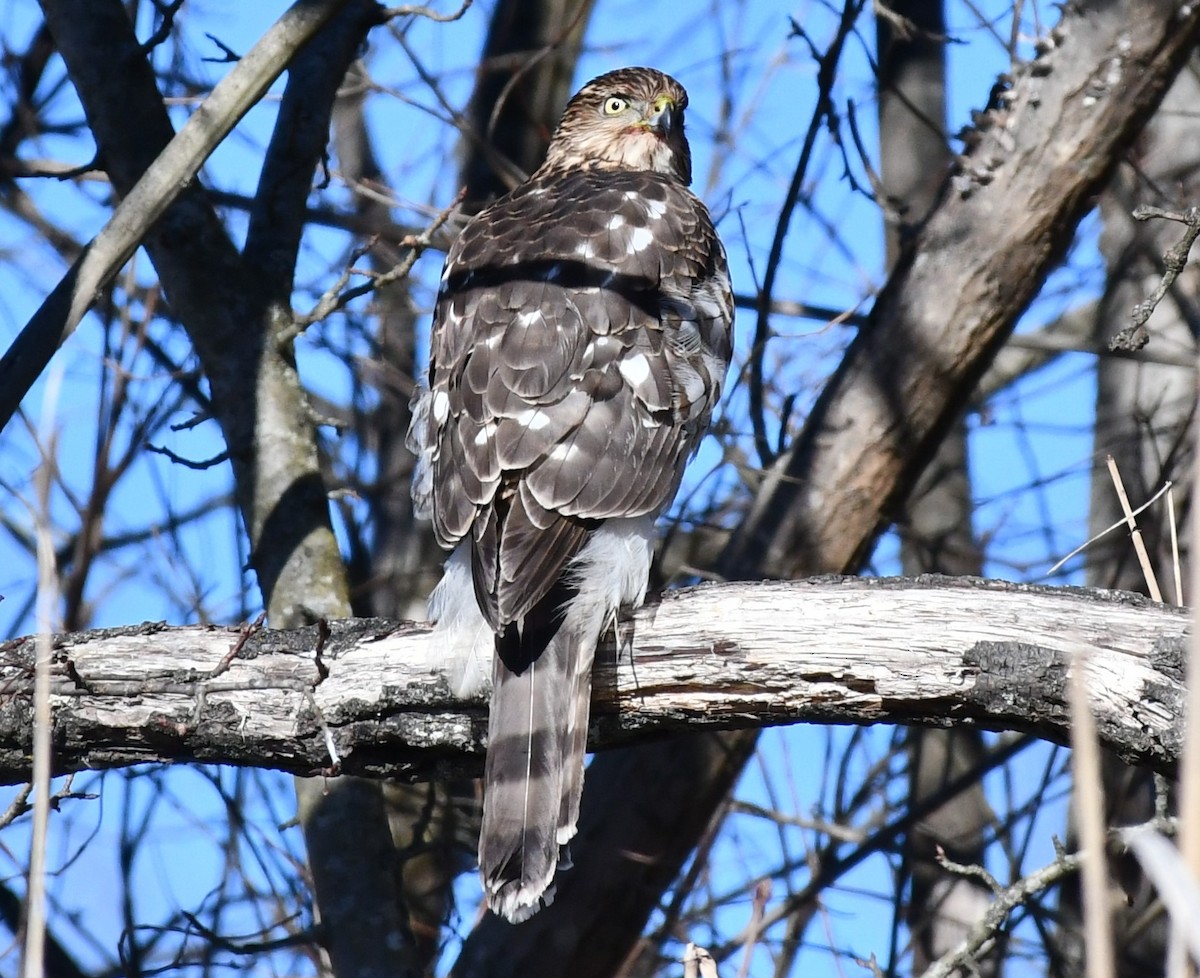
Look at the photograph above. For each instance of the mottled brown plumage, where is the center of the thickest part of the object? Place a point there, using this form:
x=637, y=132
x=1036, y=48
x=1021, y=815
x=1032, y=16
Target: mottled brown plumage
x=581, y=337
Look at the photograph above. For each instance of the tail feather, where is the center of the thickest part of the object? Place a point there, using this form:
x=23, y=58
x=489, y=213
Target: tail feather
x=527, y=731
x=541, y=700
x=610, y=573
x=575, y=742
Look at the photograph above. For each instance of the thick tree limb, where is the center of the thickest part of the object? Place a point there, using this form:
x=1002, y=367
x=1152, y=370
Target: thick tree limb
x=942, y=651
x=234, y=308
x=968, y=275
x=149, y=199
x=1004, y=222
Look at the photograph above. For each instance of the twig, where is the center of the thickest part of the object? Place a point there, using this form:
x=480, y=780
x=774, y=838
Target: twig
x=335, y=759
x=1135, y=336
x=244, y=635
x=207, y=463
x=323, y=634
x=905, y=29
x=301, y=938
x=33, y=957
x=228, y=54
x=197, y=419
x=415, y=10
x=17, y=807
x=1139, y=545
x=1176, y=570
x=1089, y=795
x=845, y=833
x=1124, y=521
x=762, y=893
x=337, y=296
x=970, y=871
x=879, y=196
x=1012, y=897
x=167, y=12
x=824, y=113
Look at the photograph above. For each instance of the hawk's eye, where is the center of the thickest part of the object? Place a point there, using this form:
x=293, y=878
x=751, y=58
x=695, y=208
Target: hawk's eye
x=615, y=105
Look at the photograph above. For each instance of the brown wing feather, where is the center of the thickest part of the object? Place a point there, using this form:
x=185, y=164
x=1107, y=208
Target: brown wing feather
x=580, y=342
x=572, y=369
x=517, y=558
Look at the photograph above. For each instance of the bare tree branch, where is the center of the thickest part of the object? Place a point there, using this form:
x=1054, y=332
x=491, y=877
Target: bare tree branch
x=153, y=194
x=830, y=650
x=970, y=273
x=234, y=324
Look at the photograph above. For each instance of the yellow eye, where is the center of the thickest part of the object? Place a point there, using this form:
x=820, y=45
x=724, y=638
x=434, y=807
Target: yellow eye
x=615, y=105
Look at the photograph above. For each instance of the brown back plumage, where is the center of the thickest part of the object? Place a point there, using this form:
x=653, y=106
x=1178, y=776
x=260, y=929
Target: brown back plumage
x=581, y=337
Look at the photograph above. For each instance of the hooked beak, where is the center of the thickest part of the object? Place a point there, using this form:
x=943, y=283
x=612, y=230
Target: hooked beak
x=659, y=117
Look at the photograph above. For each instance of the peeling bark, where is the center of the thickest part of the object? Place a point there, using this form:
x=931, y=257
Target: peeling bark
x=948, y=652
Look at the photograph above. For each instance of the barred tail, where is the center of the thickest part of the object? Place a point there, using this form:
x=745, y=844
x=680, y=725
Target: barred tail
x=528, y=740
x=541, y=698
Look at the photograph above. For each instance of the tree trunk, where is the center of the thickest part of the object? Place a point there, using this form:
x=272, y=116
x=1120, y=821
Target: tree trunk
x=1144, y=414
x=234, y=308
x=935, y=531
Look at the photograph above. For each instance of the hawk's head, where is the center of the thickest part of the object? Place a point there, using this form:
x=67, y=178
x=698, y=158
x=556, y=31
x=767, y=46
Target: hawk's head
x=628, y=119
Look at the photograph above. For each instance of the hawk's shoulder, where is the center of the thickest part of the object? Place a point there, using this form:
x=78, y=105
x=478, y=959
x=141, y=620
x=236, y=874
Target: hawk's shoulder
x=638, y=223
x=580, y=341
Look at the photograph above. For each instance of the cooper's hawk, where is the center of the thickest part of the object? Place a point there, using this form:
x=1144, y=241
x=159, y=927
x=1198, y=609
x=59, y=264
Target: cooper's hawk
x=580, y=340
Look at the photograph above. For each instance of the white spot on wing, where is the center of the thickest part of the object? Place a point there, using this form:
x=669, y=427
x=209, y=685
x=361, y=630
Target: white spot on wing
x=616, y=222
x=535, y=419
x=656, y=209
x=693, y=385
x=635, y=369
x=563, y=451
x=527, y=319
x=640, y=239
x=599, y=343
x=484, y=433
x=584, y=249
x=441, y=406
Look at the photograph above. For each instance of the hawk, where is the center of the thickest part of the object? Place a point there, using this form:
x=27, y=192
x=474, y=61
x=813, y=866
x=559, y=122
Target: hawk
x=581, y=336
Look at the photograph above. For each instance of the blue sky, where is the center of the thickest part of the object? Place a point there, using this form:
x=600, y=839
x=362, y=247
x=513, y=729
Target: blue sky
x=833, y=258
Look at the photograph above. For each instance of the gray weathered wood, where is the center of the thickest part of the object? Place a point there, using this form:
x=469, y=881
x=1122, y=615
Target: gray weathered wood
x=942, y=651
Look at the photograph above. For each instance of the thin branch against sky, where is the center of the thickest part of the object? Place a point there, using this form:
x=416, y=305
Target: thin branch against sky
x=752, y=86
